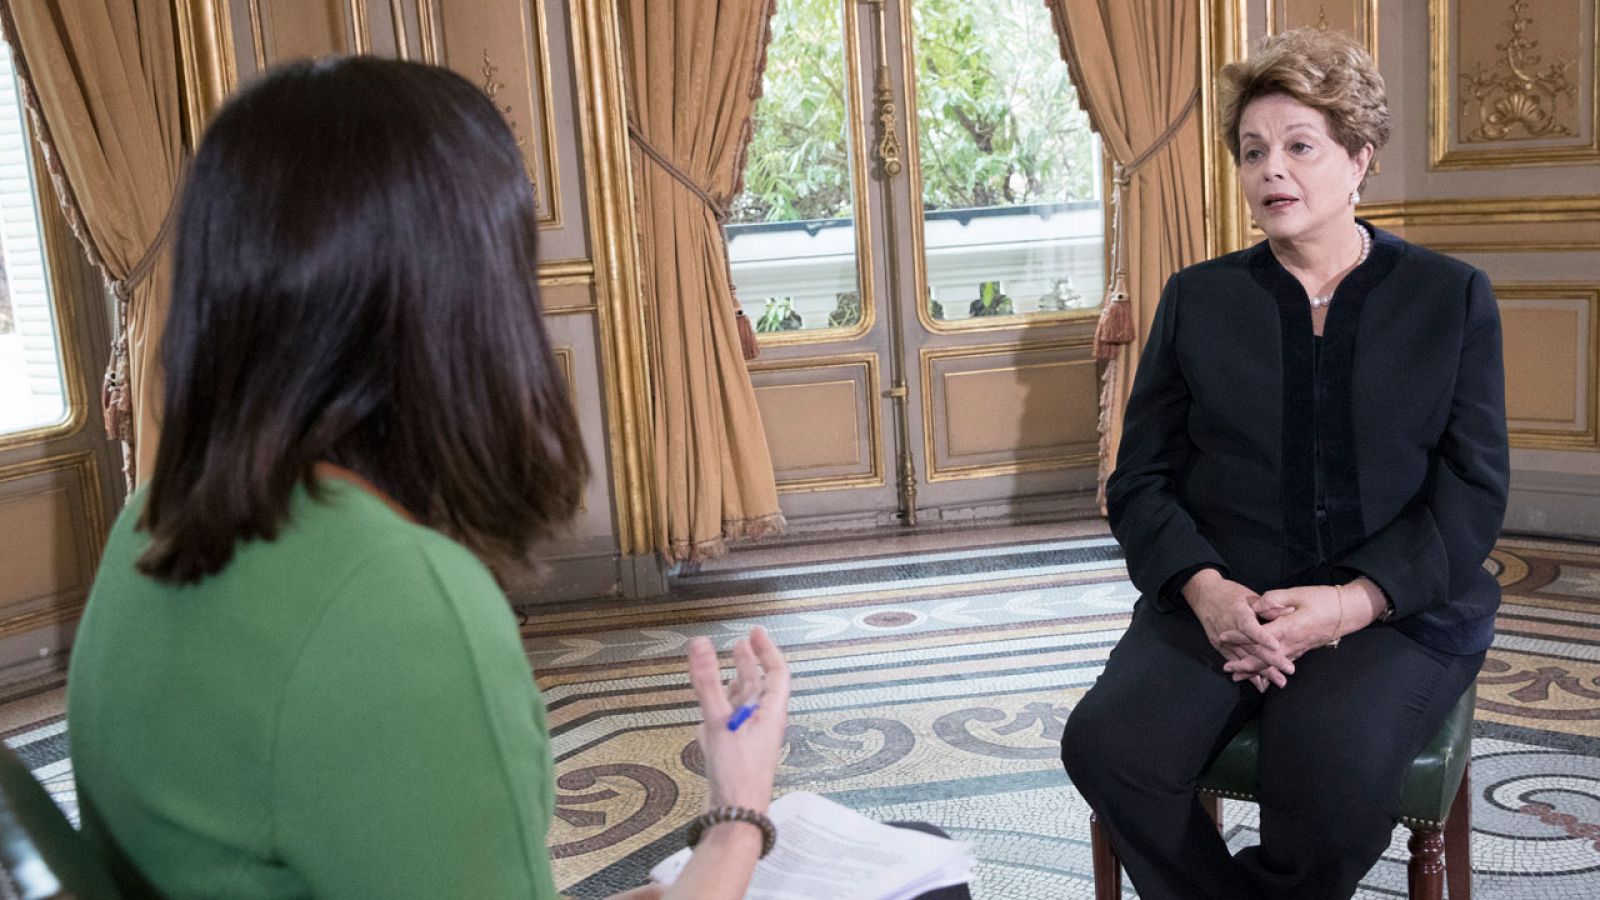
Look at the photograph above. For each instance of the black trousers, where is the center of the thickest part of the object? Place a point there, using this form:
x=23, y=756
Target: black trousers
x=1335, y=747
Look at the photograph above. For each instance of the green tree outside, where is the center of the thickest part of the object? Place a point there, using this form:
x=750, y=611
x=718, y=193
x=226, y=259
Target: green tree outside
x=998, y=115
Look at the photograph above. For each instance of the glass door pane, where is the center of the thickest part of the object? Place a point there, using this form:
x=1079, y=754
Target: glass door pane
x=1012, y=219
x=32, y=390
x=793, y=238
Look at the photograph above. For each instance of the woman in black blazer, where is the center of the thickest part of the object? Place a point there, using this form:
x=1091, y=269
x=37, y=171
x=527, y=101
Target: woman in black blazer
x=1313, y=470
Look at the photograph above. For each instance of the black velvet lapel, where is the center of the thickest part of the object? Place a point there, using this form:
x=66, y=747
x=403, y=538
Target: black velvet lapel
x=1339, y=348
x=1296, y=485
x=1312, y=392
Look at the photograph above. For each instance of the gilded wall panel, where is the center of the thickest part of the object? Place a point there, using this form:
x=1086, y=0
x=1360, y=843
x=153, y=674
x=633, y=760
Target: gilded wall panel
x=1552, y=357
x=574, y=342
x=567, y=365
x=814, y=426
x=53, y=532
x=1005, y=409
x=1357, y=18
x=821, y=421
x=562, y=297
x=1513, y=82
x=283, y=30
x=504, y=48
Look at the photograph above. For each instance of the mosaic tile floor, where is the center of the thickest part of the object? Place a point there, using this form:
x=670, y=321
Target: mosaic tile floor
x=933, y=674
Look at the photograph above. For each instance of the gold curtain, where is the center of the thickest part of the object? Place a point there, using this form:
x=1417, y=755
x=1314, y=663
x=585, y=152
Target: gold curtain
x=100, y=78
x=692, y=75
x=1137, y=69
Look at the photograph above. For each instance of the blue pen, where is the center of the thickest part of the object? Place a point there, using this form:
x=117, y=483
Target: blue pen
x=741, y=715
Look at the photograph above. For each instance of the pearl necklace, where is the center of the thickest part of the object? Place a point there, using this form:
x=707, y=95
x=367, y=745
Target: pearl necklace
x=1366, y=248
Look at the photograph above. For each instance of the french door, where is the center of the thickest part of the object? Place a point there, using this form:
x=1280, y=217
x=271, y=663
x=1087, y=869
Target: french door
x=921, y=244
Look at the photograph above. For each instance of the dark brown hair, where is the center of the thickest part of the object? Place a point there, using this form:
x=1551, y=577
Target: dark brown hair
x=354, y=282
x=1324, y=70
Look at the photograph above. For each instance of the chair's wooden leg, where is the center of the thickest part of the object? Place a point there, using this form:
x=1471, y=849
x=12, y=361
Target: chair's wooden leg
x=1212, y=804
x=1458, y=841
x=1107, y=868
x=1426, y=881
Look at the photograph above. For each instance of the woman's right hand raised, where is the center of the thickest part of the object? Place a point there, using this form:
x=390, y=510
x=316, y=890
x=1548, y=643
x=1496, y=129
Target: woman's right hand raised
x=741, y=764
x=1226, y=611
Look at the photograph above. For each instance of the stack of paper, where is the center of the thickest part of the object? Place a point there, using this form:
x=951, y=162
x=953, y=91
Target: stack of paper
x=828, y=850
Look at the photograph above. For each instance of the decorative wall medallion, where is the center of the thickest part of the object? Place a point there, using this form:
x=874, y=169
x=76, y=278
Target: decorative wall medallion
x=1518, y=96
x=1513, y=83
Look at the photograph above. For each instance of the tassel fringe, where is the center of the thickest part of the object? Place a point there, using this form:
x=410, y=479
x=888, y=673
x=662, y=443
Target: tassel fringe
x=1108, y=390
x=1115, y=327
x=696, y=552
x=748, y=346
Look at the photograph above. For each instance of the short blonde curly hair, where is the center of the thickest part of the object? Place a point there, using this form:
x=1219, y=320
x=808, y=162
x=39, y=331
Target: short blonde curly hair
x=1324, y=70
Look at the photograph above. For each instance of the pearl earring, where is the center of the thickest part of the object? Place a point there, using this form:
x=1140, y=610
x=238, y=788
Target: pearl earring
x=1355, y=197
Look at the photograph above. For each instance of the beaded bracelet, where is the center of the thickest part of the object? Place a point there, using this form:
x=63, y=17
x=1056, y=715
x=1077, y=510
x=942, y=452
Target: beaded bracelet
x=769, y=832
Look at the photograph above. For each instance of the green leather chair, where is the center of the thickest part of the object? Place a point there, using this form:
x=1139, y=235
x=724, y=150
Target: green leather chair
x=41, y=854
x=1435, y=803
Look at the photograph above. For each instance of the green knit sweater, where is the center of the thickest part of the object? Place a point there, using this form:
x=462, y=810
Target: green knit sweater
x=344, y=711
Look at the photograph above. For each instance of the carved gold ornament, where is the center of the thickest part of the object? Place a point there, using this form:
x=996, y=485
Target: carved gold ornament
x=888, y=141
x=1513, y=94
x=491, y=87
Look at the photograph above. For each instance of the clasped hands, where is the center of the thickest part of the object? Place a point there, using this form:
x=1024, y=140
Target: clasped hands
x=1261, y=635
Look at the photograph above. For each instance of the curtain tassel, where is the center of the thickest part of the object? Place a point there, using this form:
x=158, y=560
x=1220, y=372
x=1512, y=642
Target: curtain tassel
x=748, y=347
x=1115, y=327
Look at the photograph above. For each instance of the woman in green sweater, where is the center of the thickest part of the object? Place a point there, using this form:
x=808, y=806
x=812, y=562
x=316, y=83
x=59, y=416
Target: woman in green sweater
x=295, y=677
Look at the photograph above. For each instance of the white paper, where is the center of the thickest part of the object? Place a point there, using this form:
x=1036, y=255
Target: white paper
x=828, y=850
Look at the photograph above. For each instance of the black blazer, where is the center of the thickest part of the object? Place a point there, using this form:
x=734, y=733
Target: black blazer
x=1382, y=452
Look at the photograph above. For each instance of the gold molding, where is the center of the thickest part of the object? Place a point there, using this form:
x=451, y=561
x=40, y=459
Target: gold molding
x=1366, y=24
x=1580, y=214
x=1556, y=439
x=565, y=357
x=428, y=32
x=547, y=115
x=936, y=473
x=566, y=271
x=866, y=284
x=360, y=27
x=1440, y=79
x=874, y=390
x=1222, y=41
x=547, y=180
x=402, y=41
x=624, y=347
x=919, y=250
x=210, y=70
x=56, y=237
x=258, y=35
x=86, y=468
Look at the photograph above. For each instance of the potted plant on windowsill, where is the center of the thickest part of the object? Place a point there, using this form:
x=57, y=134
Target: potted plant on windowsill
x=991, y=301
x=779, y=315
